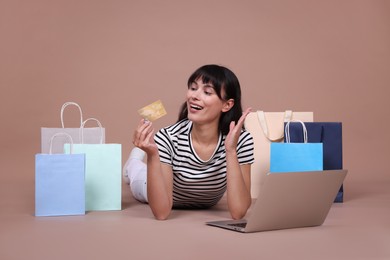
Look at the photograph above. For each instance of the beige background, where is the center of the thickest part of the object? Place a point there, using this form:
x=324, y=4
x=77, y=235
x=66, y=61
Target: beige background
x=113, y=57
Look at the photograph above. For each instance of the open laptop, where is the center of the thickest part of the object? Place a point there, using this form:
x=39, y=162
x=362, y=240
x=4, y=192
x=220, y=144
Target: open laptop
x=290, y=200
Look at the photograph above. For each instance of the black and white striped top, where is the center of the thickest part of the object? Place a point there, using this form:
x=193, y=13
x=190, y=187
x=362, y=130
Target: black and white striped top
x=197, y=183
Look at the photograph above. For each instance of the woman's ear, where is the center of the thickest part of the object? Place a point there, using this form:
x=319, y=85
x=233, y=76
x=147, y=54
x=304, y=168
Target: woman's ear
x=228, y=105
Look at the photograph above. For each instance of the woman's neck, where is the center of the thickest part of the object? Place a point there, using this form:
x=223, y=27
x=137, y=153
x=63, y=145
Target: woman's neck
x=204, y=140
x=204, y=134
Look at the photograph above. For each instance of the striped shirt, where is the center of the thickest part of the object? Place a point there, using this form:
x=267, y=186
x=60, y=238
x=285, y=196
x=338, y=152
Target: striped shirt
x=197, y=183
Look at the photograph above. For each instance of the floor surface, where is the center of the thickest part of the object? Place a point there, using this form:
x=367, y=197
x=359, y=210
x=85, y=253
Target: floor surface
x=359, y=228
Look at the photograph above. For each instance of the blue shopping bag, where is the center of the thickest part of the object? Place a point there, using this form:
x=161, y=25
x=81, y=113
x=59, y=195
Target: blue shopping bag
x=59, y=182
x=330, y=135
x=293, y=157
x=103, y=174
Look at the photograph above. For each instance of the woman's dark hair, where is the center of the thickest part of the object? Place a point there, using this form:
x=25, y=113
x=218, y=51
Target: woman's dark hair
x=222, y=79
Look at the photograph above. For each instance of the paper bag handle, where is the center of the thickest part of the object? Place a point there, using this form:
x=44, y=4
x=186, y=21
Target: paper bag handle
x=98, y=123
x=263, y=124
x=287, y=129
x=62, y=112
x=61, y=134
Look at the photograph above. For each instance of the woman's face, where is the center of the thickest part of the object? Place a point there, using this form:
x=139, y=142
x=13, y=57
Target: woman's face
x=203, y=103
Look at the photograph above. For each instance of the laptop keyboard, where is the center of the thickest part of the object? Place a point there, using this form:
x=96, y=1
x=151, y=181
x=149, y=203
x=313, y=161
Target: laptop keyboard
x=242, y=224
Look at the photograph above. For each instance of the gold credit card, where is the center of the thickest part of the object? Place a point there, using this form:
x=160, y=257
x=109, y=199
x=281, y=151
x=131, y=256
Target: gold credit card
x=153, y=111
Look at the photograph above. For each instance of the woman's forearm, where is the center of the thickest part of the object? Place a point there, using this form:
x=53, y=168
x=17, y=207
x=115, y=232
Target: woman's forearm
x=238, y=193
x=159, y=198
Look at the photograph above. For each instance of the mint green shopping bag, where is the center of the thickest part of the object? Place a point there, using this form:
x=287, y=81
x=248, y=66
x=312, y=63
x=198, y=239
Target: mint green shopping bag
x=103, y=179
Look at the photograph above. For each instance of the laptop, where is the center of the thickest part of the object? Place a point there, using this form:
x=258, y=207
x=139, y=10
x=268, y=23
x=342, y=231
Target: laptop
x=290, y=200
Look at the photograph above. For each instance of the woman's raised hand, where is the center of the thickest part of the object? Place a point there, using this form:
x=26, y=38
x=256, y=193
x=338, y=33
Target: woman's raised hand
x=234, y=132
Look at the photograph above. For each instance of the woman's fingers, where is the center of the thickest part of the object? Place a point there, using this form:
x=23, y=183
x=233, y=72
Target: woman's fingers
x=242, y=118
x=241, y=121
x=142, y=133
x=235, y=129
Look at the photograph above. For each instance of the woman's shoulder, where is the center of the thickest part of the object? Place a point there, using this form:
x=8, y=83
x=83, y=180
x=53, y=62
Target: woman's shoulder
x=181, y=127
x=245, y=136
x=245, y=133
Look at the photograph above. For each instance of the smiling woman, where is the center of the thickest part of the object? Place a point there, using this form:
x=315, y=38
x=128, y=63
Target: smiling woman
x=192, y=163
x=219, y=82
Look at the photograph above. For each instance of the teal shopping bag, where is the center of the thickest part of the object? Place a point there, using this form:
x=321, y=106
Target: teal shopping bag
x=294, y=157
x=59, y=182
x=103, y=179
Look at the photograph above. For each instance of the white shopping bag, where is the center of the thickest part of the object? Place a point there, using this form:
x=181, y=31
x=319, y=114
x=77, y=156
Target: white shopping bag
x=91, y=135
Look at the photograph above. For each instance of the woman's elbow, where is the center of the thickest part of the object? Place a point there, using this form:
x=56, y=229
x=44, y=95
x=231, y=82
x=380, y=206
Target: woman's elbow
x=238, y=215
x=161, y=214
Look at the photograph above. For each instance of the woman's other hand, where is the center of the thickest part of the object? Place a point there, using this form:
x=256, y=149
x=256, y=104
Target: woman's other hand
x=234, y=132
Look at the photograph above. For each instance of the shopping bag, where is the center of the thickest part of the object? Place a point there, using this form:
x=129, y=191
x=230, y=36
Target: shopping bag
x=267, y=127
x=103, y=180
x=296, y=157
x=91, y=135
x=59, y=182
x=330, y=135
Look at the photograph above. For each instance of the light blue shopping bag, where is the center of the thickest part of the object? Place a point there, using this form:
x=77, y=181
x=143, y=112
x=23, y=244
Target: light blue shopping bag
x=103, y=174
x=59, y=182
x=294, y=157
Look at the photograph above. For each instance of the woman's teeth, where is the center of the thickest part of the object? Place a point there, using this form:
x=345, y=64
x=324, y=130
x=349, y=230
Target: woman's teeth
x=196, y=107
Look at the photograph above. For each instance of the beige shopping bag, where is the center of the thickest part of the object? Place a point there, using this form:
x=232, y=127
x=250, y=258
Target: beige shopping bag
x=267, y=127
x=92, y=135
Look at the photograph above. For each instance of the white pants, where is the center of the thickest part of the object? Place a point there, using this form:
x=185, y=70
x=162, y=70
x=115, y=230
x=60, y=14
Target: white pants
x=134, y=173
